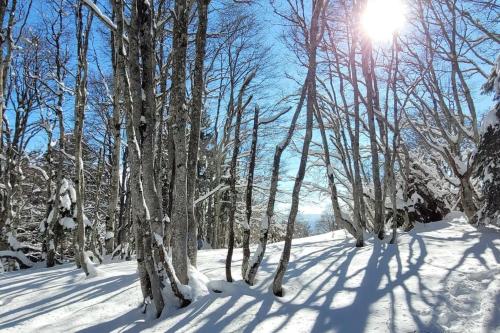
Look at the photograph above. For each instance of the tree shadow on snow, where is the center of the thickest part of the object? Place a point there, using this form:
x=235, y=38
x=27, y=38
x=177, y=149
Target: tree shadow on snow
x=351, y=318
x=242, y=308
x=73, y=293
x=485, y=237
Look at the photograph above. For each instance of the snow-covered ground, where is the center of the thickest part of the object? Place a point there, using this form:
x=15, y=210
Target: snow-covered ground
x=442, y=277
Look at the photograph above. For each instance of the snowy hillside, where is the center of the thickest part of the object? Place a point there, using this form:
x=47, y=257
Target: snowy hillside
x=441, y=277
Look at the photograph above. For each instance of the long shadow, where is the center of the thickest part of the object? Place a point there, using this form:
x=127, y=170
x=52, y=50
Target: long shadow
x=259, y=294
x=485, y=242
x=413, y=268
x=267, y=299
x=232, y=312
x=76, y=293
x=494, y=323
x=340, y=272
x=15, y=282
x=352, y=318
x=122, y=322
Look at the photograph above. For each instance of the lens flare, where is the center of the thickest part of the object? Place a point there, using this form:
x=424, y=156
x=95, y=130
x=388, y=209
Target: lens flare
x=382, y=18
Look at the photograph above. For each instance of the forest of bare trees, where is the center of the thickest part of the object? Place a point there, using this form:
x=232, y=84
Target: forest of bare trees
x=147, y=130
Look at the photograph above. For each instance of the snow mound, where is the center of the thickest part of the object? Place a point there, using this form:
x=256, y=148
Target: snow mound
x=198, y=283
x=92, y=269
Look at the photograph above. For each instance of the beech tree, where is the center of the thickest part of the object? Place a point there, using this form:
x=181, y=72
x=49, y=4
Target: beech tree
x=312, y=35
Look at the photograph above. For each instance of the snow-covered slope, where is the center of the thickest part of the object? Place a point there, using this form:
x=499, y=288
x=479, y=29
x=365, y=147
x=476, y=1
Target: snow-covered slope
x=441, y=277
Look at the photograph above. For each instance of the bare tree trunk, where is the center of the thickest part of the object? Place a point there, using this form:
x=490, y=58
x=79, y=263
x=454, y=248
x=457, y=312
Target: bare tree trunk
x=233, y=194
x=217, y=225
x=137, y=202
x=368, y=72
x=314, y=35
x=395, y=142
x=94, y=241
x=153, y=262
x=339, y=219
x=5, y=61
x=114, y=191
x=209, y=221
x=285, y=256
x=267, y=218
x=467, y=196
x=146, y=107
x=194, y=135
x=54, y=227
x=405, y=171
x=52, y=194
x=80, y=104
x=220, y=156
x=169, y=183
x=121, y=233
x=232, y=172
x=357, y=190
x=179, y=116
x=248, y=194
x=217, y=197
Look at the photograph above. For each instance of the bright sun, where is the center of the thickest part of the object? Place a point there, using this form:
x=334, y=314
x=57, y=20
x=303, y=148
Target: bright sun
x=382, y=18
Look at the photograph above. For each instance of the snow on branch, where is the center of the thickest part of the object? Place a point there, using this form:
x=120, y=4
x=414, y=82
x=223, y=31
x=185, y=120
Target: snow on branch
x=207, y=195
x=100, y=14
x=37, y=168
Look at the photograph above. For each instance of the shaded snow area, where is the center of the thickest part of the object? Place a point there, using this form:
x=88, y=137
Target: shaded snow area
x=442, y=277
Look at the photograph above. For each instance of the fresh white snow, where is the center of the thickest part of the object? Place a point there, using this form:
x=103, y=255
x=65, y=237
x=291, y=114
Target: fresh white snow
x=442, y=277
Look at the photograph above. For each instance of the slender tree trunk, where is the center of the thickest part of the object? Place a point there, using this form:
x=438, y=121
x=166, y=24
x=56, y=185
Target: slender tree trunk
x=314, y=37
x=395, y=142
x=248, y=194
x=357, y=190
x=194, y=135
x=55, y=228
x=5, y=59
x=179, y=116
x=52, y=193
x=232, y=171
x=80, y=104
x=217, y=196
x=170, y=181
x=209, y=221
x=233, y=194
x=216, y=243
x=377, y=186
x=339, y=219
x=114, y=191
x=285, y=256
x=94, y=241
x=267, y=218
x=121, y=237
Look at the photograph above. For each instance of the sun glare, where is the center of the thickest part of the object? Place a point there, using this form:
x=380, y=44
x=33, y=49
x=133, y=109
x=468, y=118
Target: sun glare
x=382, y=18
